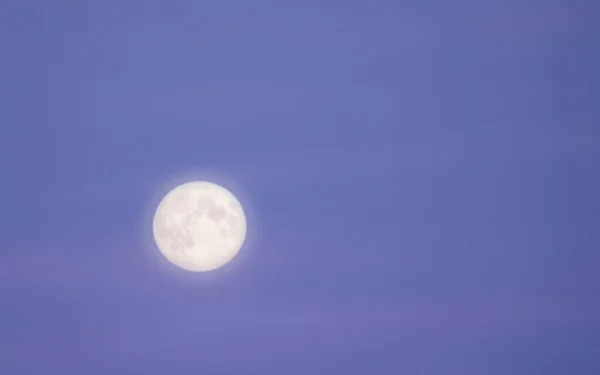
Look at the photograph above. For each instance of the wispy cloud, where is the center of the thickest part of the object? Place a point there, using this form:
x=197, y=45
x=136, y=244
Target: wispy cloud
x=111, y=308
x=188, y=330
x=332, y=166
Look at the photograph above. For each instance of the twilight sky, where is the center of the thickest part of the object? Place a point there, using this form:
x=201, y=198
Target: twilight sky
x=423, y=174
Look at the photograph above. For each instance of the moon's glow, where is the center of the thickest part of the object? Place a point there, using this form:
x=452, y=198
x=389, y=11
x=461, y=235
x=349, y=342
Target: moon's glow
x=199, y=226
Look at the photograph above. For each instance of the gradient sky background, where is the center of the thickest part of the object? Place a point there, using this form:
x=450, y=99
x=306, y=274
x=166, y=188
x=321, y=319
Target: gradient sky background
x=424, y=176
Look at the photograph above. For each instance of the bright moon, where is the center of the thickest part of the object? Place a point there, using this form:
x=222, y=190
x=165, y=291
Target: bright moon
x=199, y=226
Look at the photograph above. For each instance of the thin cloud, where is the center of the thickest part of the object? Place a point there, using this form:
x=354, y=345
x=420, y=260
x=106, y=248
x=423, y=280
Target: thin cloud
x=177, y=331
x=330, y=166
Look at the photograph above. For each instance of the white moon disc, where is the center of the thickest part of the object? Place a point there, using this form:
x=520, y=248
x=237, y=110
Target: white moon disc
x=199, y=226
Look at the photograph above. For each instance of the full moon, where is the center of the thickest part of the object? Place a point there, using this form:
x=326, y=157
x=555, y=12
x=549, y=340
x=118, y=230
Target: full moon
x=199, y=226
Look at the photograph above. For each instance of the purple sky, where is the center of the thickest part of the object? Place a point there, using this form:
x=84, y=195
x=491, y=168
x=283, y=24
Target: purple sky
x=423, y=177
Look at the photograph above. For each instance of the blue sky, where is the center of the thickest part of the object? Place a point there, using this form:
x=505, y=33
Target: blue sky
x=423, y=178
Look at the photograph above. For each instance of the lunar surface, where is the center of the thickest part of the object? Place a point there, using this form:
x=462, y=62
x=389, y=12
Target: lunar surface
x=199, y=226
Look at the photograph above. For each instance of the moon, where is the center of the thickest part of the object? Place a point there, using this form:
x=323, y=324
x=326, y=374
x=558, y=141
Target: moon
x=199, y=226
